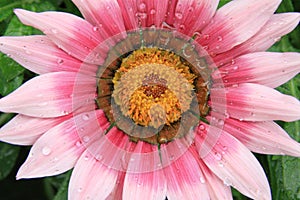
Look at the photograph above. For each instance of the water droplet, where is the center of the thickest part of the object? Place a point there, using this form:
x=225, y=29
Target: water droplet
x=221, y=122
x=142, y=6
x=86, y=138
x=78, y=143
x=201, y=127
x=43, y=104
x=46, y=151
x=202, y=179
x=141, y=15
x=178, y=15
x=227, y=182
x=235, y=67
x=221, y=164
x=172, y=157
x=218, y=156
x=152, y=11
x=190, y=9
x=85, y=117
x=220, y=38
x=60, y=61
x=79, y=189
x=86, y=157
x=107, y=7
x=54, y=31
x=95, y=28
x=182, y=27
x=99, y=157
x=232, y=61
x=206, y=36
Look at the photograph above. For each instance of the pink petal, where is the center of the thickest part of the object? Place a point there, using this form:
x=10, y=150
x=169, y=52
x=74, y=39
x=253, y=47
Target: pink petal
x=263, y=137
x=254, y=102
x=117, y=193
x=105, y=15
x=50, y=95
x=216, y=188
x=91, y=179
x=234, y=164
x=266, y=68
x=59, y=148
x=139, y=183
x=236, y=22
x=24, y=130
x=74, y=35
x=271, y=32
x=40, y=55
x=143, y=13
x=185, y=179
x=192, y=15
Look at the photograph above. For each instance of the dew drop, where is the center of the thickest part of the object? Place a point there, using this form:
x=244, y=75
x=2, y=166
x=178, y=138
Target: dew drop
x=86, y=138
x=43, y=104
x=142, y=6
x=79, y=190
x=85, y=117
x=190, y=9
x=218, y=156
x=220, y=38
x=232, y=61
x=152, y=11
x=202, y=179
x=46, y=151
x=202, y=127
x=95, y=28
x=221, y=122
x=54, y=31
x=60, y=61
x=221, y=164
x=178, y=15
x=86, y=157
x=227, y=182
x=235, y=67
x=78, y=143
x=182, y=27
x=206, y=36
x=99, y=157
x=172, y=157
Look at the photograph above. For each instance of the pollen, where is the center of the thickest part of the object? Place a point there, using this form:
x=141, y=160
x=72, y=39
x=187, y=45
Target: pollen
x=153, y=87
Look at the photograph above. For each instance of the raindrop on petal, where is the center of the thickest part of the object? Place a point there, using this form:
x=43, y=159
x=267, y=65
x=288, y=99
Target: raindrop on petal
x=85, y=117
x=86, y=138
x=178, y=15
x=218, y=156
x=46, y=151
x=202, y=179
x=227, y=182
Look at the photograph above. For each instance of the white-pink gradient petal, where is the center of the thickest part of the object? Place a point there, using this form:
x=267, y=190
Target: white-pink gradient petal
x=49, y=95
x=253, y=102
x=232, y=162
x=25, y=130
x=91, y=179
x=54, y=152
x=236, y=22
x=278, y=25
x=143, y=13
x=185, y=179
x=40, y=55
x=73, y=34
x=190, y=16
x=138, y=184
x=263, y=137
x=105, y=15
x=216, y=187
x=266, y=68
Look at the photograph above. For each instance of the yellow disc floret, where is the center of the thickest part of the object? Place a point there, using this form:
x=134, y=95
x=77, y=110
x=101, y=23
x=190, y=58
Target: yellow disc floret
x=153, y=87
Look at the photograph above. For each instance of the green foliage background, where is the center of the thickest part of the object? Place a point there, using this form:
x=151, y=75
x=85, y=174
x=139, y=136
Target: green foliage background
x=283, y=171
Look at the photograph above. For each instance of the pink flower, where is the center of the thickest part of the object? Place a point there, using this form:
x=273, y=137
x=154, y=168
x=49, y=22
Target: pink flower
x=143, y=137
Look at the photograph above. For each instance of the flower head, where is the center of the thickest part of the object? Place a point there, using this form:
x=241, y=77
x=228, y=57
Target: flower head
x=154, y=98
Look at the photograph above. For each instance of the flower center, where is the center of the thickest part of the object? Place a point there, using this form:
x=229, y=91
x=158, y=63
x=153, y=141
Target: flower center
x=152, y=90
x=153, y=87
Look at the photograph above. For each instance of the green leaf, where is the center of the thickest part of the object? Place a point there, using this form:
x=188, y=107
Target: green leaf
x=6, y=8
x=223, y=2
x=62, y=193
x=8, y=157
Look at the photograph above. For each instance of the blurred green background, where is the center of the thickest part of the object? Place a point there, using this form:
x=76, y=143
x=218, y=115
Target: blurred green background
x=283, y=171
